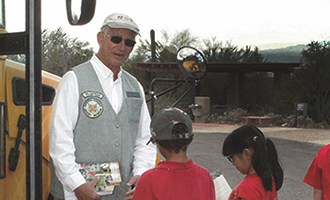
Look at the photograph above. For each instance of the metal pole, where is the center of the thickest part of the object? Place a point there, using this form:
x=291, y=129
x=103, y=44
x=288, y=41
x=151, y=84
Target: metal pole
x=153, y=57
x=33, y=108
x=153, y=46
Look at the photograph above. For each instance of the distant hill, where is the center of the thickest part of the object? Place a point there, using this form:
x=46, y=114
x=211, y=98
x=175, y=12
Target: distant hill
x=287, y=54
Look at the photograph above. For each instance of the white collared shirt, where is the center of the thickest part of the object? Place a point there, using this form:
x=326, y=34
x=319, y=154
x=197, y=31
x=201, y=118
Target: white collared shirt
x=64, y=119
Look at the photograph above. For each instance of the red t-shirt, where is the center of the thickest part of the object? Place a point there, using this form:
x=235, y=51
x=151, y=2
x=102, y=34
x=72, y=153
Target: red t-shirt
x=318, y=175
x=251, y=188
x=175, y=180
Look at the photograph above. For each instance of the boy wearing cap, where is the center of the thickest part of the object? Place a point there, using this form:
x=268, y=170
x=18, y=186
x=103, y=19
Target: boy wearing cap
x=178, y=177
x=100, y=115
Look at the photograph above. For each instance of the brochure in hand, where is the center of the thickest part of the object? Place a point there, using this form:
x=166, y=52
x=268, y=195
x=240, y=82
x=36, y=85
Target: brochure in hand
x=109, y=173
x=222, y=188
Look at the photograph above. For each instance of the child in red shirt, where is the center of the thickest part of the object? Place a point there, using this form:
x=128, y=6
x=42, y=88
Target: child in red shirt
x=318, y=175
x=178, y=177
x=254, y=155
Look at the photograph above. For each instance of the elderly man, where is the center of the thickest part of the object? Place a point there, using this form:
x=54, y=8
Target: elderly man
x=100, y=115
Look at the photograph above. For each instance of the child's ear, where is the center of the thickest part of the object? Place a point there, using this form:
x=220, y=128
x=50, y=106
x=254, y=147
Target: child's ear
x=247, y=153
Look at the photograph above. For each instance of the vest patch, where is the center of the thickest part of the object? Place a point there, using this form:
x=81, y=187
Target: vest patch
x=133, y=95
x=92, y=94
x=92, y=107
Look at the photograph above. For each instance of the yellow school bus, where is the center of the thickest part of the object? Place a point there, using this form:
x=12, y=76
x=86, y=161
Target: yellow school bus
x=12, y=124
x=18, y=169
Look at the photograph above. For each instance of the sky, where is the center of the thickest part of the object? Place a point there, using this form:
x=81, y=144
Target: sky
x=263, y=23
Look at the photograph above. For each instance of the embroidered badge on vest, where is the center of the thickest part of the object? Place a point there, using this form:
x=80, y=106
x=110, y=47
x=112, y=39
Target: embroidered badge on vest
x=92, y=106
x=92, y=94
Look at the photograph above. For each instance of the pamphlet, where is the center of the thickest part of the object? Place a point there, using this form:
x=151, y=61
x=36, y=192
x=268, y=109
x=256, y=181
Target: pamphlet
x=109, y=173
x=222, y=188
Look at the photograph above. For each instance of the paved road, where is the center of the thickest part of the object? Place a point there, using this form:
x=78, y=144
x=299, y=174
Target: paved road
x=295, y=157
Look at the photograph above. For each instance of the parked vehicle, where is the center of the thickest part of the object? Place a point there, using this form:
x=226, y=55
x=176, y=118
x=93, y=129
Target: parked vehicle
x=13, y=150
x=24, y=117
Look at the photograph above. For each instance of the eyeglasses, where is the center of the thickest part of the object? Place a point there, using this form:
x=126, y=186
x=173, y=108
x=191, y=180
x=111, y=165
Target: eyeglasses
x=117, y=39
x=231, y=156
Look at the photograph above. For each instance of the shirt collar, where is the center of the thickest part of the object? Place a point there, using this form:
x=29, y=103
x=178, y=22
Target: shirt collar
x=103, y=70
x=176, y=165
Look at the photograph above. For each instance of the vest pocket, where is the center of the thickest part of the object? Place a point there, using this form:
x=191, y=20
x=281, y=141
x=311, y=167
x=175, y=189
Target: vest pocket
x=134, y=109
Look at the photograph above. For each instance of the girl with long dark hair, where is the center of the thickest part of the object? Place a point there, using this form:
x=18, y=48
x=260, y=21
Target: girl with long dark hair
x=254, y=155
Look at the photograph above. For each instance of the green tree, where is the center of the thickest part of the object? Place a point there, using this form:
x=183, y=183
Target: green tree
x=165, y=49
x=61, y=52
x=215, y=51
x=18, y=58
x=310, y=84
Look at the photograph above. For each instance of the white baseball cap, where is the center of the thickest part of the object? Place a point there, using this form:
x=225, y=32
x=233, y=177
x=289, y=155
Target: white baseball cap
x=119, y=20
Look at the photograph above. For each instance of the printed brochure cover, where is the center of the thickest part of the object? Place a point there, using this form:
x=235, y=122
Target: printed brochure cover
x=109, y=173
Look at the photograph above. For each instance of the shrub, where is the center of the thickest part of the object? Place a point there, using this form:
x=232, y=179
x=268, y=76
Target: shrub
x=231, y=116
x=310, y=123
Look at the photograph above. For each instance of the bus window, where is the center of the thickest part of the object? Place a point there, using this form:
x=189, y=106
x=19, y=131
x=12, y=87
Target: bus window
x=14, y=13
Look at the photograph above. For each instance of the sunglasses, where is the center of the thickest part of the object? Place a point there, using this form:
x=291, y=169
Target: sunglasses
x=117, y=39
x=152, y=140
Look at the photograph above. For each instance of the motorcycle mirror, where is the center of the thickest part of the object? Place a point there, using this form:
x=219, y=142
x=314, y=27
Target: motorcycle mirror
x=80, y=12
x=191, y=62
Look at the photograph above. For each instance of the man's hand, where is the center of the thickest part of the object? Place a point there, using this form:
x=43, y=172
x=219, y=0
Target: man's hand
x=132, y=182
x=86, y=191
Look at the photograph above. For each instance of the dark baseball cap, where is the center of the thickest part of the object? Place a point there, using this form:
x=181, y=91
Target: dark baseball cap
x=162, y=124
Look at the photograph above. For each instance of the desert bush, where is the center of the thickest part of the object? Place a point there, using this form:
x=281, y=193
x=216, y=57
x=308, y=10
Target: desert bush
x=236, y=116
x=231, y=116
x=310, y=123
x=277, y=120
